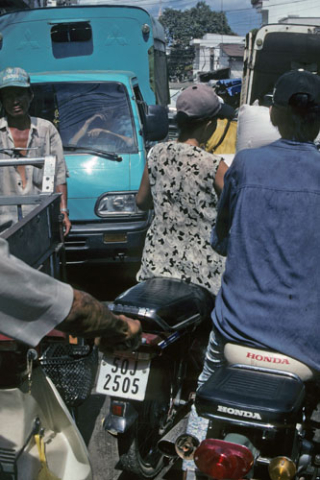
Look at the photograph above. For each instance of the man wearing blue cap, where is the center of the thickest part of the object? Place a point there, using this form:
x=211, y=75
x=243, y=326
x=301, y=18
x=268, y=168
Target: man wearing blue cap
x=19, y=130
x=267, y=226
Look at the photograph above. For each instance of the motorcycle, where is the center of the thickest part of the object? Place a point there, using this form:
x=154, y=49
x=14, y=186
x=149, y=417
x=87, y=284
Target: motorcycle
x=38, y=437
x=264, y=421
x=151, y=388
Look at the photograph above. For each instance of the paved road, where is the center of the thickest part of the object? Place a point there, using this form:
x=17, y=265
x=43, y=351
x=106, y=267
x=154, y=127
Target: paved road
x=105, y=283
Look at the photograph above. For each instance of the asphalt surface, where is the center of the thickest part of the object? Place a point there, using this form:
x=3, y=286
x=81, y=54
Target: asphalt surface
x=105, y=283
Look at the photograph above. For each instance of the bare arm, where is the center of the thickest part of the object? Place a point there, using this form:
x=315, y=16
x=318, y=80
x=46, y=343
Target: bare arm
x=219, y=180
x=63, y=206
x=144, y=197
x=90, y=318
x=95, y=132
x=83, y=130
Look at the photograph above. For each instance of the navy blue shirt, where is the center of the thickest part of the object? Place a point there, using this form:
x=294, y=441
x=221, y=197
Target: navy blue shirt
x=269, y=226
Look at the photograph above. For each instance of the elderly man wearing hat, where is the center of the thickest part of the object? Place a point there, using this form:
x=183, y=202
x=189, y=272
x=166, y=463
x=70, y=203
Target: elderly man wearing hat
x=18, y=129
x=182, y=181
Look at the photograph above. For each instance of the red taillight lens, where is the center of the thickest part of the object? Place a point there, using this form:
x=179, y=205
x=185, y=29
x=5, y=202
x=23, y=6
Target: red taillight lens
x=117, y=409
x=4, y=338
x=221, y=460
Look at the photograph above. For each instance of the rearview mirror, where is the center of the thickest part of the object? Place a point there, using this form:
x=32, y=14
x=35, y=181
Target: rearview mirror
x=157, y=123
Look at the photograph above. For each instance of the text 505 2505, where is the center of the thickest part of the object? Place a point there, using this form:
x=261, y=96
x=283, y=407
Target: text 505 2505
x=123, y=376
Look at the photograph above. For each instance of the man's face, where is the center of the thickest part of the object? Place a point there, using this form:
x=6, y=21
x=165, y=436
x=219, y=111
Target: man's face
x=16, y=101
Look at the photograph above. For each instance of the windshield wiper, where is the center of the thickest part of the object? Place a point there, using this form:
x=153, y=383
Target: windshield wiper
x=93, y=151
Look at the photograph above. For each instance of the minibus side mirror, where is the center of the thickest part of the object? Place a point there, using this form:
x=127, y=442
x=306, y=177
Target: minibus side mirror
x=157, y=123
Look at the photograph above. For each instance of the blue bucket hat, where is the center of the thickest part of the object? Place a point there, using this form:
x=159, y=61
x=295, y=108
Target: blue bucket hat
x=14, y=77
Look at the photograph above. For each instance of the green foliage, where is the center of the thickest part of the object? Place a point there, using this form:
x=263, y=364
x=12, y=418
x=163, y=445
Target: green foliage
x=182, y=26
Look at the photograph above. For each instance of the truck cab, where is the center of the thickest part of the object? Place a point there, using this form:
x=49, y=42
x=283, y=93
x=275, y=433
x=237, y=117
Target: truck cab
x=273, y=50
x=98, y=73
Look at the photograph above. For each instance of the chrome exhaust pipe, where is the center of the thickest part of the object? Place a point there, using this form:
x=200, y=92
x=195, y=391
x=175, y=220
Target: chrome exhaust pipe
x=186, y=445
x=166, y=444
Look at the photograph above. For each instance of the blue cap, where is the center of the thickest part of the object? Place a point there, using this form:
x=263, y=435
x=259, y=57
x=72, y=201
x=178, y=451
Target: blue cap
x=14, y=77
x=296, y=81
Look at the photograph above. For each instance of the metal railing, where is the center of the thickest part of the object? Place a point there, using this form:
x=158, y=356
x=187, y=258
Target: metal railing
x=36, y=238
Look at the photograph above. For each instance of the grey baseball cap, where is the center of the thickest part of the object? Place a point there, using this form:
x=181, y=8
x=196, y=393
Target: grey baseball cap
x=14, y=77
x=200, y=102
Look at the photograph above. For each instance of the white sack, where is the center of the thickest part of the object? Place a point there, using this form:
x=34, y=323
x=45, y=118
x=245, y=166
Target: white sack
x=254, y=127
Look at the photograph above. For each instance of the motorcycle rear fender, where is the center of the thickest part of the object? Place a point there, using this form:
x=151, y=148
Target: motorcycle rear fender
x=115, y=424
x=66, y=452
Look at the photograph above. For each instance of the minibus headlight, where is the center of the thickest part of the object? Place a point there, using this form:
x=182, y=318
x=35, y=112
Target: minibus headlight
x=117, y=203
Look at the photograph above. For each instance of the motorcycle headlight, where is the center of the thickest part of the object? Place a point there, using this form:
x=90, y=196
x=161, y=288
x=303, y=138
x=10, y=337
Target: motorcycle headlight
x=117, y=204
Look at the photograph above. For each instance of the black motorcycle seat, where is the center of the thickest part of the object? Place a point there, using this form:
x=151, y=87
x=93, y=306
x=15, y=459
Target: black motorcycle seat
x=251, y=396
x=171, y=303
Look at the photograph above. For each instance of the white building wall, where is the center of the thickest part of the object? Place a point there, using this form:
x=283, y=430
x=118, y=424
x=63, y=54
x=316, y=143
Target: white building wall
x=275, y=10
x=224, y=60
x=235, y=65
x=207, y=51
x=302, y=20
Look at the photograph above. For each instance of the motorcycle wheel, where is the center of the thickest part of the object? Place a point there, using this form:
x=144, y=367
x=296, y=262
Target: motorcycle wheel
x=138, y=447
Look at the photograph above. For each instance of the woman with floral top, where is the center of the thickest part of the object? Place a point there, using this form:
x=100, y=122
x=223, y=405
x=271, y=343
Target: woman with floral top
x=181, y=181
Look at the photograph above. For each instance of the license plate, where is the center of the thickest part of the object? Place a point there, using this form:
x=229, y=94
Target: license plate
x=123, y=376
x=115, y=238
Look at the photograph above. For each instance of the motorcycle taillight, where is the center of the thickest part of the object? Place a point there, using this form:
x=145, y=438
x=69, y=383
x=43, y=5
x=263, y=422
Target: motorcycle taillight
x=221, y=460
x=8, y=344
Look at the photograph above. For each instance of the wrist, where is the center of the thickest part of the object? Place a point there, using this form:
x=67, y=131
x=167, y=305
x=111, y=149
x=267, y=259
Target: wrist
x=65, y=211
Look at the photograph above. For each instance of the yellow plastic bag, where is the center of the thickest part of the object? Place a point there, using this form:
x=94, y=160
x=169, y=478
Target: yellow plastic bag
x=44, y=473
x=228, y=145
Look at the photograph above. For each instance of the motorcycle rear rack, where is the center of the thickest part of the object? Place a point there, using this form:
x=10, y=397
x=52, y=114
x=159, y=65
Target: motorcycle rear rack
x=150, y=314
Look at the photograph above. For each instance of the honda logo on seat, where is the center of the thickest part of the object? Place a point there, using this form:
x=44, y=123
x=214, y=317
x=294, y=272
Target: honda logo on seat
x=268, y=358
x=239, y=413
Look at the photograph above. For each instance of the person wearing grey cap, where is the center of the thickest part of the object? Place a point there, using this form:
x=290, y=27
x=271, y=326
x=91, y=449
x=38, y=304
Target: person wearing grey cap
x=182, y=182
x=19, y=130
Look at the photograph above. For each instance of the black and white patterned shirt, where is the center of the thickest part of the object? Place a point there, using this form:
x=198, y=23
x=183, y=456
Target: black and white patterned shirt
x=178, y=241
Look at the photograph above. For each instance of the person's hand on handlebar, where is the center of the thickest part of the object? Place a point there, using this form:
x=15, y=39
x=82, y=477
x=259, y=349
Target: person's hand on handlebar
x=131, y=342
x=90, y=318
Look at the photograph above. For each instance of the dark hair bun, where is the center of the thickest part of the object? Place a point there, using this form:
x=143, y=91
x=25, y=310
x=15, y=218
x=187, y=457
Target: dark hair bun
x=182, y=119
x=300, y=100
x=302, y=105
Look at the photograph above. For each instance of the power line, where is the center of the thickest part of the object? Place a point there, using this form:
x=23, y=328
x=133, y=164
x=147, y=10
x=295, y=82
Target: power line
x=228, y=10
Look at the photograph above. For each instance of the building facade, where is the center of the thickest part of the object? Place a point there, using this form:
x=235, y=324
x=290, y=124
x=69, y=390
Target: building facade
x=231, y=56
x=274, y=11
x=208, y=51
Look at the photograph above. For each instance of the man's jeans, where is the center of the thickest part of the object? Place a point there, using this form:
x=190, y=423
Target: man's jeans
x=198, y=426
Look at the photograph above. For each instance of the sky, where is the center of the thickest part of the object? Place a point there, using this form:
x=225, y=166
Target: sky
x=242, y=17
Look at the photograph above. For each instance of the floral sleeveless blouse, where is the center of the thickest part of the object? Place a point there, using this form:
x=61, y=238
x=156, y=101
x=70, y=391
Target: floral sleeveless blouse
x=178, y=241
